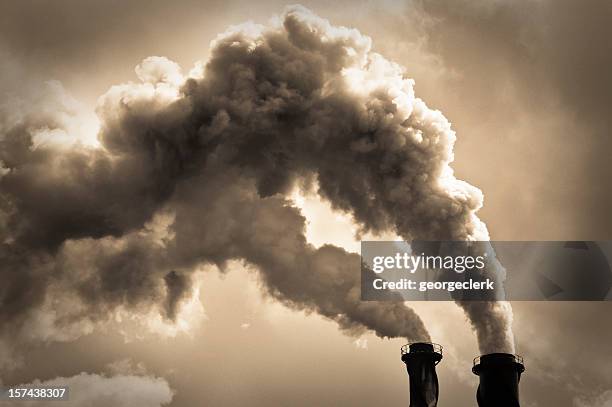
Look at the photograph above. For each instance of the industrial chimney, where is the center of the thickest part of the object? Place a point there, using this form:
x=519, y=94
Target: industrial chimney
x=499, y=374
x=421, y=359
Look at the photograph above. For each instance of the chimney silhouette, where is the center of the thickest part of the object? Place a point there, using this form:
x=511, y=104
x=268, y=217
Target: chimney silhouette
x=499, y=374
x=421, y=359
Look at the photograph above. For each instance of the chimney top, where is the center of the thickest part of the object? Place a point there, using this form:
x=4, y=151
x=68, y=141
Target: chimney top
x=424, y=349
x=493, y=360
x=418, y=347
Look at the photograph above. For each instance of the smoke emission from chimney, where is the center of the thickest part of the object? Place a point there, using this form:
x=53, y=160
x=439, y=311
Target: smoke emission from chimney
x=298, y=102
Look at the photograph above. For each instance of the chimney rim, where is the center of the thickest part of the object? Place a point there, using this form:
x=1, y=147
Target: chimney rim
x=435, y=348
x=498, y=358
x=428, y=350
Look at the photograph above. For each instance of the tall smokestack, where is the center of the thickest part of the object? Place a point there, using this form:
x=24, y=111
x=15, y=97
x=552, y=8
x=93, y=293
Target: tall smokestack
x=499, y=374
x=421, y=359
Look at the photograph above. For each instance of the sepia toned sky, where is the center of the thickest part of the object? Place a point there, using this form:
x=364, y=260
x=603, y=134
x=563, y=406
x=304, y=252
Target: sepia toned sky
x=527, y=88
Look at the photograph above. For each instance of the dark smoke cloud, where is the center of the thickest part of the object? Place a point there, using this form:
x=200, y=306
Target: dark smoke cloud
x=269, y=234
x=52, y=194
x=195, y=169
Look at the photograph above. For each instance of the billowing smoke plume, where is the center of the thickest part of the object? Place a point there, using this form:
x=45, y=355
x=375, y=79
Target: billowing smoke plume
x=195, y=169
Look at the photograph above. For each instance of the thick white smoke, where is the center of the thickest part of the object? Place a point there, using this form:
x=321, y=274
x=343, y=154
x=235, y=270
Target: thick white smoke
x=297, y=102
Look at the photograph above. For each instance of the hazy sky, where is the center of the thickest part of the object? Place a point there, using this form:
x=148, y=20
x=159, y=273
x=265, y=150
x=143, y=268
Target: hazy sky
x=527, y=87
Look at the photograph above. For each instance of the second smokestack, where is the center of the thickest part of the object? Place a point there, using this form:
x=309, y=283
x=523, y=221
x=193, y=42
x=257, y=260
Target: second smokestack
x=499, y=374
